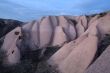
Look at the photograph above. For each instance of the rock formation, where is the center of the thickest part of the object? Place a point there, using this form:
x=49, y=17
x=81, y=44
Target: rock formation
x=77, y=36
x=9, y=46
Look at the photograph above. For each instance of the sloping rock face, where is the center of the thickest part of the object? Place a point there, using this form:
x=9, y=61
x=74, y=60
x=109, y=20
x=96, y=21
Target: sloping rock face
x=9, y=46
x=6, y=25
x=101, y=65
x=78, y=41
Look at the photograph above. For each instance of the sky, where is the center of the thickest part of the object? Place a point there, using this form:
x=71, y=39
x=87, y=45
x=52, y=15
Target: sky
x=26, y=10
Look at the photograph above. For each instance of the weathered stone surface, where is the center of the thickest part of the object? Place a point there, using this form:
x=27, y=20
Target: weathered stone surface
x=81, y=56
x=104, y=25
x=79, y=28
x=9, y=45
x=63, y=22
x=76, y=35
x=60, y=37
x=72, y=58
x=101, y=65
x=6, y=25
x=45, y=32
x=25, y=43
x=34, y=36
x=72, y=32
x=54, y=21
x=84, y=22
x=65, y=50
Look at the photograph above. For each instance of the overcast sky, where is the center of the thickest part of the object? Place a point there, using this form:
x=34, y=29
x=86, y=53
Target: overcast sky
x=32, y=9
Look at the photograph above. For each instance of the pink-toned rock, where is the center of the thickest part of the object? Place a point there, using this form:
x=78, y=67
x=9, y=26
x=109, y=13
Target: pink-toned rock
x=73, y=18
x=81, y=56
x=60, y=37
x=79, y=28
x=28, y=26
x=9, y=46
x=93, y=20
x=13, y=56
x=72, y=32
x=84, y=22
x=74, y=57
x=64, y=51
x=27, y=40
x=63, y=22
x=68, y=27
x=104, y=25
x=45, y=32
x=54, y=21
x=35, y=39
x=61, y=54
